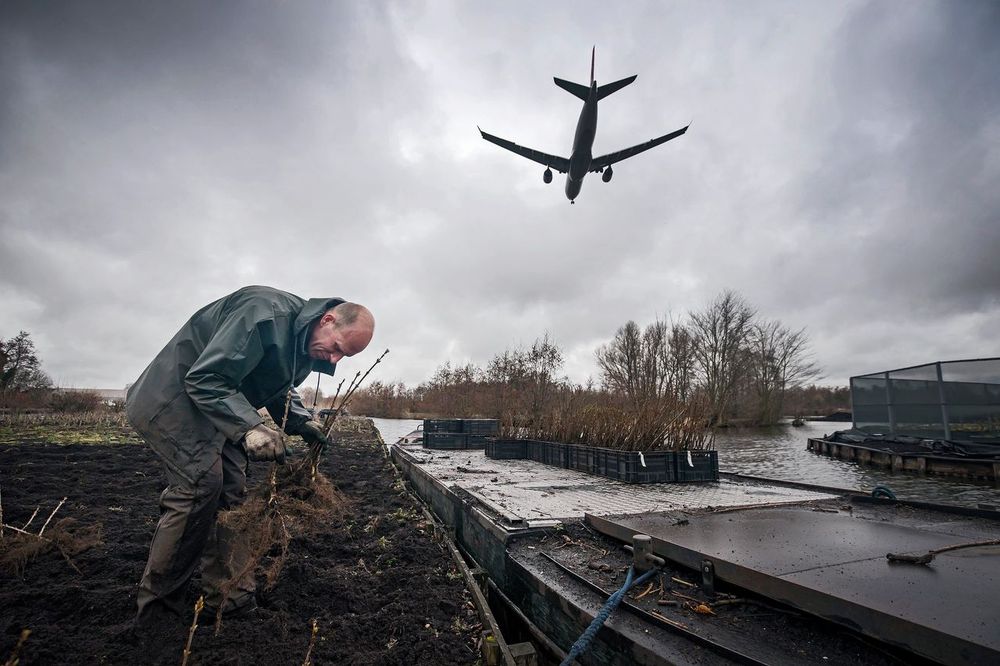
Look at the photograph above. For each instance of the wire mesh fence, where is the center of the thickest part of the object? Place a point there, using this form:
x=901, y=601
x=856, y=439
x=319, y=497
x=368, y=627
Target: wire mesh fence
x=953, y=400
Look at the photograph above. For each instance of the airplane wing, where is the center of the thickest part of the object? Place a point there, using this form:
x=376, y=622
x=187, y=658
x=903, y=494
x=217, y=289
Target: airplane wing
x=560, y=164
x=605, y=161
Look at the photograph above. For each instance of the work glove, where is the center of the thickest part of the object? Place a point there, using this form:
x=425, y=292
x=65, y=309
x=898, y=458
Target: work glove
x=263, y=443
x=312, y=432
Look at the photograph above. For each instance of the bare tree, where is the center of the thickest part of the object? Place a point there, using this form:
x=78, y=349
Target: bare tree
x=543, y=361
x=779, y=360
x=680, y=362
x=764, y=344
x=622, y=362
x=721, y=331
x=648, y=364
x=506, y=375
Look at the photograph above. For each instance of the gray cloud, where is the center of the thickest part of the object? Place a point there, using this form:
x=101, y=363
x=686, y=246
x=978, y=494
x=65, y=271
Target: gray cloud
x=840, y=173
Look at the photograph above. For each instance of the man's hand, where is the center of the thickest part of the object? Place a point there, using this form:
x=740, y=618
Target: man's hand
x=312, y=432
x=263, y=443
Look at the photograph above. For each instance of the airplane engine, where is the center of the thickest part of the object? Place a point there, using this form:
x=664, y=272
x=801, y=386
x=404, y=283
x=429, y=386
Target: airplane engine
x=547, y=176
x=606, y=176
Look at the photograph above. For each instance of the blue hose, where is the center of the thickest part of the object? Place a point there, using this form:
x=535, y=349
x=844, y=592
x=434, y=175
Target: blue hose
x=582, y=643
x=883, y=492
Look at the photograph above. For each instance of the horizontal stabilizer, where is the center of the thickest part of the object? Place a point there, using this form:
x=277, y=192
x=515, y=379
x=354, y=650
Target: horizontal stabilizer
x=608, y=88
x=580, y=91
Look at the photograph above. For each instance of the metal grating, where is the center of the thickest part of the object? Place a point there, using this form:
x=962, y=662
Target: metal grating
x=541, y=494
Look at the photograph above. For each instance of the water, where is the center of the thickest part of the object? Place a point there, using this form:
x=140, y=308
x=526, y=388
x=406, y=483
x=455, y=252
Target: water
x=780, y=453
x=392, y=429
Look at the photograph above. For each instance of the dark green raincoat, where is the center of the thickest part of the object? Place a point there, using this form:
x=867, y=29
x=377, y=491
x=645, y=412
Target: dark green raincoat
x=232, y=357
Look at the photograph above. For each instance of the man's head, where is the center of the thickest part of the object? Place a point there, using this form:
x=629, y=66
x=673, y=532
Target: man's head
x=344, y=330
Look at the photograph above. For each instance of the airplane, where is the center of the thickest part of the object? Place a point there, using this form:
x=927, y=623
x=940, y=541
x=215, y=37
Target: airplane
x=582, y=161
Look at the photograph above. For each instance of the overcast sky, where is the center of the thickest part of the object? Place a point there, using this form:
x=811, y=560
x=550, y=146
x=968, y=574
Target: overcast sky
x=842, y=172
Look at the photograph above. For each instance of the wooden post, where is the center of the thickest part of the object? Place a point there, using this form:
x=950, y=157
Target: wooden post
x=491, y=649
x=524, y=654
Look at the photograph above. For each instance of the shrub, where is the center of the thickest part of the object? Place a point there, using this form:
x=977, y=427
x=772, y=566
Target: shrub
x=75, y=401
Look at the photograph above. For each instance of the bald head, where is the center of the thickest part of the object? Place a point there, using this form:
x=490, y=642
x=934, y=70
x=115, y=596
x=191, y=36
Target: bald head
x=343, y=330
x=348, y=314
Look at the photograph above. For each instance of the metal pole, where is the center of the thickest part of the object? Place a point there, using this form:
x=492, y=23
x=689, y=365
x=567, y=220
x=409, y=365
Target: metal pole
x=944, y=404
x=888, y=404
x=854, y=417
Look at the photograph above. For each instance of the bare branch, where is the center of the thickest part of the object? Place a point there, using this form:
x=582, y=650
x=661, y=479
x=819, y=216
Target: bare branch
x=50, y=516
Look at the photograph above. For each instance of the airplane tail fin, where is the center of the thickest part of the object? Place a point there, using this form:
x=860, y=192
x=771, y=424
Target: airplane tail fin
x=577, y=89
x=583, y=92
x=608, y=88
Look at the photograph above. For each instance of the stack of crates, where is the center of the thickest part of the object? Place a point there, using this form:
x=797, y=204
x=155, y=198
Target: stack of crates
x=479, y=431
x=459, y=433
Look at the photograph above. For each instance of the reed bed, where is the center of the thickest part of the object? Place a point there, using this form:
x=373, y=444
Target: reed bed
x=661, y=425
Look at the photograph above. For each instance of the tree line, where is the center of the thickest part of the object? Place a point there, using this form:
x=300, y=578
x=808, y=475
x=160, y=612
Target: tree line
x=736, y=366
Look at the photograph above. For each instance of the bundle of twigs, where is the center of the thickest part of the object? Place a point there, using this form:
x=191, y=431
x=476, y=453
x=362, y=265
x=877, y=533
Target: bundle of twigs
x=648, y=426
x=316, y=450
x=297, y=500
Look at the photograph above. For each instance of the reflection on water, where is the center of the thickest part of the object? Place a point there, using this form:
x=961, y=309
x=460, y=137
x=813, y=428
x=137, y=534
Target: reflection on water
x=780, y=453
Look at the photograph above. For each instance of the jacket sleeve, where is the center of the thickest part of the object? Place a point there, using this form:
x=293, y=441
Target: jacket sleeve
x=213, y=382
x=297, y=413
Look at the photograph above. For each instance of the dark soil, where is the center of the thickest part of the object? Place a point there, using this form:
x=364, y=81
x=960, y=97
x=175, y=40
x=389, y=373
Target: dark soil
x=381, y=588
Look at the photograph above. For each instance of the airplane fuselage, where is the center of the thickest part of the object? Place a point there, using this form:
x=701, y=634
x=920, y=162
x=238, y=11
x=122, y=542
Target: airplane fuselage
x=583, y=145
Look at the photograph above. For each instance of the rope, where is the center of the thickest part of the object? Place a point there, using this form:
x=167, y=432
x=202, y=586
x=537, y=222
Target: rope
x=884, y=491
x=582, y=643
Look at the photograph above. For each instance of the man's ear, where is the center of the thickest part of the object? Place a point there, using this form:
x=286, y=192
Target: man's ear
x=329, y=318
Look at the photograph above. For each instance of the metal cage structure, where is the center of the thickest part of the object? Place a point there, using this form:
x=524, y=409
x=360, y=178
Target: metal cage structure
x=951, y=400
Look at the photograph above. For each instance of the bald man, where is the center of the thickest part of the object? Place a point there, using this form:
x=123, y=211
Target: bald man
x=196, y=406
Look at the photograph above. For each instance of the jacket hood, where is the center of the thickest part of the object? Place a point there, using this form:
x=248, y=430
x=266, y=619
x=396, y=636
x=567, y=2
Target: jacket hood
x=313, y=310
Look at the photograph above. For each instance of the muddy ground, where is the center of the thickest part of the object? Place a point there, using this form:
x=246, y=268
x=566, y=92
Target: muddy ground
x=381, y=588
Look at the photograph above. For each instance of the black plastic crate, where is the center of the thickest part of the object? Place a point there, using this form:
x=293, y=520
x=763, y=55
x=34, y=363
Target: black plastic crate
x=445, y=440
x=550, y=453
x=506, y=449
x=626, y=466
x=490, y=427
x=703, y=466
x=633, y=466
x=535, y=450
x=547, y=453
x=476, y=441
x=580, y=458
x=442, y=425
